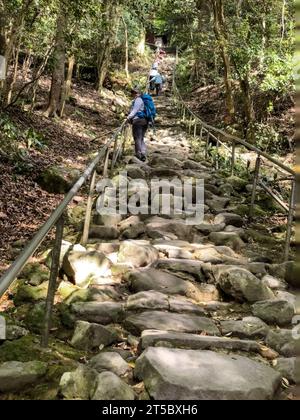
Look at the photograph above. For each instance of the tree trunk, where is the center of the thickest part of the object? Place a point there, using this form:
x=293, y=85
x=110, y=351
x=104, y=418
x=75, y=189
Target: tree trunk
x=141, y=47
x=221, y=36
x=68, y=84
x=126, y=48
x=248, y=102
x=110, y=25
x=15, y=74
x=58, y=75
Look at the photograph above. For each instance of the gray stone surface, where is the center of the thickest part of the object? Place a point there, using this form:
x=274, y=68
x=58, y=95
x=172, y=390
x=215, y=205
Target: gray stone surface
x=109, y=387
x=242, y=285
x=137, y=253
x=154, y=338
x=249, y=327
x=91, y=336
x=165, y=283
x=99, y=312
x=229, y=219
x=170, y=322
x=15, y=376
x=275, y=311
x=185, y=266
x=289, y=369
x=204, y=375
x=147, y=300
x=110, y=361
x=285, y=342
x=85, y=267
x=78, y=385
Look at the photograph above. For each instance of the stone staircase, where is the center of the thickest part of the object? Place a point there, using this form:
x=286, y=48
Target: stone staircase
x=164, y=310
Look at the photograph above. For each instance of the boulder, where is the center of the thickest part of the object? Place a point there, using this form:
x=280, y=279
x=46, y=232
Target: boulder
x=15, y=376
x=137, y=253
x=110, y=361
x=249, y=327
x=241, y=284
x=109, y=387
x=78, y=385
x=169, y=162
x=289, y=369
x=58, y=179
x=204, y=375
x=84, y=267
x=178, y=266
x=232, y=240
x=168, y=284
x=105, y=233
x=275, y=311
x=229, y=219
x=285, y=342
x=91, y=336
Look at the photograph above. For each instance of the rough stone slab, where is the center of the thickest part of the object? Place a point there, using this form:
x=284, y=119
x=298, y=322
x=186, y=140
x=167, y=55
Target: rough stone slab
x=285, y=342
x=289, y=369
x=103, y=232
x=137, y=253
x=280, y=312
x=166, y=321
x=249, y=327
x=165, y=283
x=91, y=336
x=153, y=338
x=110, y=361
x=147, y=300
x=241, y=284
x=78, y=385
x=229, y=219
x=109, y=387
x=204, y=375
x=213, y=255
x=185, y=266
x=15, y=376
x=99, y=312
x=179, y=305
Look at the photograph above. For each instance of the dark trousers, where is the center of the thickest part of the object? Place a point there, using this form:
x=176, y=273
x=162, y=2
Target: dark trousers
x=158, y=88
x=139, y=129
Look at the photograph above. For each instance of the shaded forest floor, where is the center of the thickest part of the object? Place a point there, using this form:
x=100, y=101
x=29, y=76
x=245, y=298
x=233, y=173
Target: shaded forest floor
x=70, y=141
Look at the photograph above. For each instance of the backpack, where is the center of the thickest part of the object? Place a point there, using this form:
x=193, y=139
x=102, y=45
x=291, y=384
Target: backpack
x=149, y=112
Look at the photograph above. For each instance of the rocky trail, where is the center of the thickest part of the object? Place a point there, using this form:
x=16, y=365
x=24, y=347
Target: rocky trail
x=158, y=309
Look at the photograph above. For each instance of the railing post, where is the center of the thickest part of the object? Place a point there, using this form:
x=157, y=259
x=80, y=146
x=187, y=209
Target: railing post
x=290, y=223
x=89, y=206
x=201, y=133
x=190, y=125
x=233, y=158
x=255, y=183
x=114, y=153
x=195, y=129
x=217, y=154
x=106, y=162
x=52, y=281
x=183, y=116
x=207, y=144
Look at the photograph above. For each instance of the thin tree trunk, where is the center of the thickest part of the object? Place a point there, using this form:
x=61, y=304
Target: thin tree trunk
x=15, y=73
x=221, y=36
x=283, y=20
x=68, y=84
x=126, y=48
x=58, y=75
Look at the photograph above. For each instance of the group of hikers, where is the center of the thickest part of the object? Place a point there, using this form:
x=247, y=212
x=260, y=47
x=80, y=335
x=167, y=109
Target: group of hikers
x=143, y=111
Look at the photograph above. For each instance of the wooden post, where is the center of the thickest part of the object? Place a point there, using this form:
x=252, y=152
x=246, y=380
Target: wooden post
x=217, y=154
x=195, y=130
x=207, y=144
x=290, y=223
x=52, y=281
x=88, y=213
x=233, y=158
x=255, y=183
x=105, y=167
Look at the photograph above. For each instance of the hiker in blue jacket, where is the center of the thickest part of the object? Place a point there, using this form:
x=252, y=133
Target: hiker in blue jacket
x=139, y=124
x=159, y=80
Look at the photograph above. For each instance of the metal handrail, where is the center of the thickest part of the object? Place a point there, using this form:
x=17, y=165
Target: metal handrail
x=208, y=129
x=57, y=219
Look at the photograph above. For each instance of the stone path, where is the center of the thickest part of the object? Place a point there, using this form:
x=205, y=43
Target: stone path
x=169, y=310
